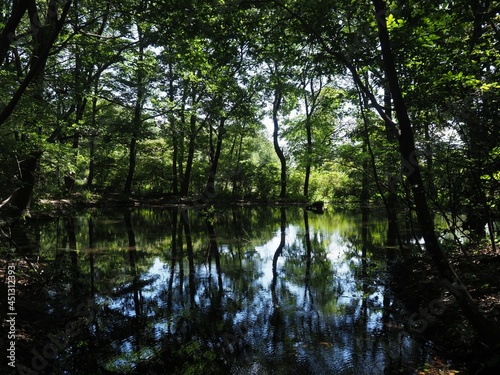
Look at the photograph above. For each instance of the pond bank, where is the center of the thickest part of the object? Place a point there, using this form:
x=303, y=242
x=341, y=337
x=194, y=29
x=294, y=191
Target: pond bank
x=416, y=283
x=78, y=202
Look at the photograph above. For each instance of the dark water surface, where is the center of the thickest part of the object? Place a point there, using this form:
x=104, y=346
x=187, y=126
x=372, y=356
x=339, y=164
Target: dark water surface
x=233, y=291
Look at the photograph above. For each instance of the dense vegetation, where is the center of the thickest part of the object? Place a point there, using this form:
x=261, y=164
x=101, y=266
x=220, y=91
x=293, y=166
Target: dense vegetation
x=395, y=103
x=172, y=97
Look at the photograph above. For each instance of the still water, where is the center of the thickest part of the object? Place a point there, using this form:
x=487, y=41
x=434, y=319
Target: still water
x=232, y=291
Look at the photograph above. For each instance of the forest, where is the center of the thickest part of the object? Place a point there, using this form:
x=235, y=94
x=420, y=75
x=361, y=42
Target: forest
x=388, y=104
x=252, y=100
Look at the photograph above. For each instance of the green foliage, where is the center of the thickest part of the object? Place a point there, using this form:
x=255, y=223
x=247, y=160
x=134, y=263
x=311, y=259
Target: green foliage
x=165, y=76
x=153, y=158
x=331, y=184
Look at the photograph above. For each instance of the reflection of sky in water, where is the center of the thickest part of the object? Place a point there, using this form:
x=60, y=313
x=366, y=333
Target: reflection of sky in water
x=266, y=253
x=325, y=340
x=323, y=314
x=350, y=296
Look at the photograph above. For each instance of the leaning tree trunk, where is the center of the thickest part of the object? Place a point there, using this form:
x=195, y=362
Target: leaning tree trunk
x=43, y=39
x=19, y=202
x=488, y=332
x=19, y=8
x=393, y=236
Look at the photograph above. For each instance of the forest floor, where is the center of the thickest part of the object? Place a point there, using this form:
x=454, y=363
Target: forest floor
x=438, y=318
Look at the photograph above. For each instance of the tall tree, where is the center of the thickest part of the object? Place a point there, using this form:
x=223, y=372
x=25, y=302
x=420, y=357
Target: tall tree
x=43, y=37
x=408, y=153
x=452, y=90
x=138, y=107
x=278, y=98
x=277, y=49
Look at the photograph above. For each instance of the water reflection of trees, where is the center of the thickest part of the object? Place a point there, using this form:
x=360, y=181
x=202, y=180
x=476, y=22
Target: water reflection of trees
x=238, y=290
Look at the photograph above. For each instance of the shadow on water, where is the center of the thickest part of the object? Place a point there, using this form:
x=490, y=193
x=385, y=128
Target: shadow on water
x=237, y=291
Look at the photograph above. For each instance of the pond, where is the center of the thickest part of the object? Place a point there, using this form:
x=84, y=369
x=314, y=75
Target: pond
x=246, y=290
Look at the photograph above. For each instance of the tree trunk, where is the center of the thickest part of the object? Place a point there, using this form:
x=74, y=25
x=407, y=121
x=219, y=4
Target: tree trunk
x=306, y=179
x=19, y=202
x=137, y=116
x=43, y=39
x=175, y=177
x=175, y=151
x=131, y=165
x=189, y=167
x=308, y=160
x=190, y=157
x=239, y=175
x=9, y=31
x=40, y=56
x=365, y=191
x=231, y=156
x=180, y=159
x=389, y=202
x=277, y=148
x=308, y=152
x=488, y=332
x=393, y=236
x=214, y=160
x=309, y=107
x=90, y=178
x=429, y=161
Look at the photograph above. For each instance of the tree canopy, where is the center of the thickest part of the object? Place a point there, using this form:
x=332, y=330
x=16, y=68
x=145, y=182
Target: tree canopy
x=171, y=97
